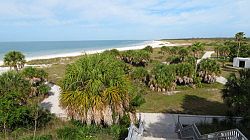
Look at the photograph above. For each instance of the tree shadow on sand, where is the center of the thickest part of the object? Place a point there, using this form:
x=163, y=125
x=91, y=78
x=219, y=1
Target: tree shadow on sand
x=46, y=105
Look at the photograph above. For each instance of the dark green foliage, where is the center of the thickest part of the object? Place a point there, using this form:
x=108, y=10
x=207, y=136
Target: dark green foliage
x=148, y=49
x=37, y=77
x=237, y=93
x=114, y=52
x=136, y=57
x=197, y=48
x=191, y=60
x=139, y=74
x=69, y=133
x=209, y=66
x=15, y=111
x=184, y=69
x=96, y=82
x=90, y=132
x=239, y=47
x=183, y=53
x=137, y=101
x=174, y=50
x=43, y=89
x=31, y=72
x=174, y=59
x=208, y=69
x=13, y=82
x=163, y=76
x=14, y=59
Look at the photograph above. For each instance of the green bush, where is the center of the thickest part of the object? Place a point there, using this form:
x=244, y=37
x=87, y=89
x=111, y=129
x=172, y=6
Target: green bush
x=148, y=49
x=68, y=133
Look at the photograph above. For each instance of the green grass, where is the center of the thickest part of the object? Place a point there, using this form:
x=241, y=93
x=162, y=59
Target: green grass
x=56, y=72
x=52, y=129
x=203, y=101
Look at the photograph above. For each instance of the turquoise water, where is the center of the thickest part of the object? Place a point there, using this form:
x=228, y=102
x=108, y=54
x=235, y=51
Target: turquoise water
x=44, y=48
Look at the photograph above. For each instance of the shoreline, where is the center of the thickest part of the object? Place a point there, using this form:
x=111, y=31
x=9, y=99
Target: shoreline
x=152, y=43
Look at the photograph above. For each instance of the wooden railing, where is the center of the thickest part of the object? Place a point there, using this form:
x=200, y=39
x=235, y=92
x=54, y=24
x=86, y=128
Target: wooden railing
x=192, y=132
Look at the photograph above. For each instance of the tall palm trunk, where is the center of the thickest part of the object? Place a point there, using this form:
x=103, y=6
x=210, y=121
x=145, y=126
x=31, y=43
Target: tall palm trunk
x=238, y=49
x=5, y=131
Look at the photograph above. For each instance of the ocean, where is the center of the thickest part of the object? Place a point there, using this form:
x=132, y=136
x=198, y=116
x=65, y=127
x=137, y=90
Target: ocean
x=45, y=48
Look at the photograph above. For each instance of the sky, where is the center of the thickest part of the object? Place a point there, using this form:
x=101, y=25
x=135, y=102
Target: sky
x=51, y=20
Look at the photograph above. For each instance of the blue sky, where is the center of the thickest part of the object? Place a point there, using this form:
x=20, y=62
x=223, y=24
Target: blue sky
x=37, y=20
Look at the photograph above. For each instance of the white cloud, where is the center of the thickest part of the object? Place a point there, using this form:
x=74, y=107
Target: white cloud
x=139, y=12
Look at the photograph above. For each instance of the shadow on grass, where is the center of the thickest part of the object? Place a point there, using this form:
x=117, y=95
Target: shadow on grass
x=195, y=105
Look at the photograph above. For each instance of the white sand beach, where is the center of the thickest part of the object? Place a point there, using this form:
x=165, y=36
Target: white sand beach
x=153, y=43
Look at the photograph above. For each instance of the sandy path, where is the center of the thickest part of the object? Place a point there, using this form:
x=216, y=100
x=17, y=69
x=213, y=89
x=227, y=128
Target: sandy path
x=52, y=102
x=206, y=55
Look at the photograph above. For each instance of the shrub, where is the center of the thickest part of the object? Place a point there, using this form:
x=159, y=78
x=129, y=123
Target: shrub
x=139, y=74
x=148, y=49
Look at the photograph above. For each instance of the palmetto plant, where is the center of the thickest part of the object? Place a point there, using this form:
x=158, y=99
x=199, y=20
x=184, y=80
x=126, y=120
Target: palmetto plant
x=208, y=69
x=136, y=57
x=37, y=78
x=163, y=78
x=197, y=48
x=96, y=89
x=140, y=74
x=14, y=59
x=184, y=73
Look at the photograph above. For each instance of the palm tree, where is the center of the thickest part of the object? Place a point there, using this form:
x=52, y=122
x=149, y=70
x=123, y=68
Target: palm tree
x=14, y=59
x=184, y=73
x=239, y=37
x=162, y=78
x=196, y=48
x=208, y=69
x=236, y=93
x=183, y=52
x=136, y=57
x=140, y=74
x=216, y=49
x=96, y=89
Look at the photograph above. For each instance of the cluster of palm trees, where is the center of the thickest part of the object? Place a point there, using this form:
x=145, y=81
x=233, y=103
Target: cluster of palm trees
x=166, y=77
x=208, y=69
x=222, y=51
x=162, y=78
x=196, y=49
x=95, y=89
x=136, y=57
